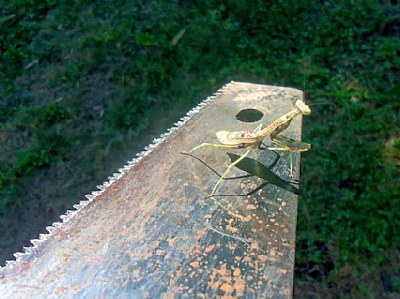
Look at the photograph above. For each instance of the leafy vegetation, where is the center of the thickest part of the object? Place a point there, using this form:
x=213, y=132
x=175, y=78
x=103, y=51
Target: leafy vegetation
x=80, y=81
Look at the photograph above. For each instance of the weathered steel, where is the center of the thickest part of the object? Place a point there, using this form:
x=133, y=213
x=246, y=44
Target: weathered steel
x=151, y=233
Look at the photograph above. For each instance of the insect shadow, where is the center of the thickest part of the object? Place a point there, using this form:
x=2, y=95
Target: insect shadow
x=254, y=168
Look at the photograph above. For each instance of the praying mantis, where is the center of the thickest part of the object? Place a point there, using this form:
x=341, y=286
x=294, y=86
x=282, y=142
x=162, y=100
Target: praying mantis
x=252, y=140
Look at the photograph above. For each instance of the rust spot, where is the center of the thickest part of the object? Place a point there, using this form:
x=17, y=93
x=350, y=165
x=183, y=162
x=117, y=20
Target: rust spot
x=247, y=218
x=59, y=291
x=255, y=246
x=214, y=285
x=232, y=229
x=201, y=232
x=246, y=259
x=262, y=257
x=226, y=288
x=232, y=247
x=236, y=272
x=124, y=230
x=209, y=248
x=251, y=207
x=195, y=264
x=239, y=286
x=222, y=271
x=140, y=236
x=171, y=241
x=281, y=271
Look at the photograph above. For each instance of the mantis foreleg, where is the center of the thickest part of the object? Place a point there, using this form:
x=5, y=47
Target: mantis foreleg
x=289, y=145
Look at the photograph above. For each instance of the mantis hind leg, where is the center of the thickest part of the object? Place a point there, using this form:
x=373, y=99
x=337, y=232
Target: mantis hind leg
x=223, y=146
x=285, y=149
x=228, y=170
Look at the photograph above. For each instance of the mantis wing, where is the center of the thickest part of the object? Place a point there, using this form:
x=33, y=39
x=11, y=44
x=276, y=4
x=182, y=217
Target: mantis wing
x=236, y=138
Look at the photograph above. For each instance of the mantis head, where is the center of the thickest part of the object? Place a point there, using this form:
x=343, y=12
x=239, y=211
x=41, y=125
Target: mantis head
x=305, y=110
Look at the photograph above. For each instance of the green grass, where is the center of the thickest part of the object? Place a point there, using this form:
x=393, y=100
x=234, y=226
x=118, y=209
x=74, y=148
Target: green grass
x=80, y=82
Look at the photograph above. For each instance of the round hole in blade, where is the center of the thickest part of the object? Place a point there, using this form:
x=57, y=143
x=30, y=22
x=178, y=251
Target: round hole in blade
x=249, y=115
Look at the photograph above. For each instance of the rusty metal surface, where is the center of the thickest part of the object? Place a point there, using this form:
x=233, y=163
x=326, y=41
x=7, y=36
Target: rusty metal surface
x=153, y=234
